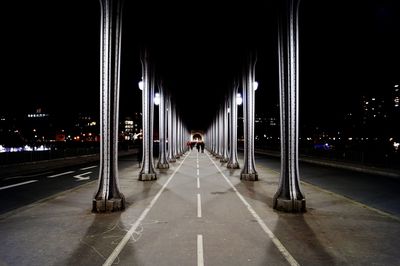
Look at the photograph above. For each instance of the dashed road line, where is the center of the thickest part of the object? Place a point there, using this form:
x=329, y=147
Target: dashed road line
x=18, y=184
x=198, y=206
x=200, y=255
x=89, y=167
x=198, y=182
x=60, y=174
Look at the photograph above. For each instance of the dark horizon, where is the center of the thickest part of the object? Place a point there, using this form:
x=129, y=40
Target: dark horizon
x=347, y=50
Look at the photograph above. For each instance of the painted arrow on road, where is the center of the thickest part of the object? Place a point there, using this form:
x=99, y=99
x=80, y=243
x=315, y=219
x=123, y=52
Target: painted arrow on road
x=81, y=177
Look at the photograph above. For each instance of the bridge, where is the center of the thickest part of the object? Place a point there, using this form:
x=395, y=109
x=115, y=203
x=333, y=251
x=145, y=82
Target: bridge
x=222, y=206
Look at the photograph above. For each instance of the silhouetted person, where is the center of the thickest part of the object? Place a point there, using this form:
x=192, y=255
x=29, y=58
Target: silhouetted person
x=198, y=146
x=202, y=147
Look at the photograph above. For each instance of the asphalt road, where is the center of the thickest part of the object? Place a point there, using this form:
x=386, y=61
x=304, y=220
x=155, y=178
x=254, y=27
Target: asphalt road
x=380, y=192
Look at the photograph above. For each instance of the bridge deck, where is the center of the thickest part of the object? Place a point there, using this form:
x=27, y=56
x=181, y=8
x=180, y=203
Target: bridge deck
x=199, y=213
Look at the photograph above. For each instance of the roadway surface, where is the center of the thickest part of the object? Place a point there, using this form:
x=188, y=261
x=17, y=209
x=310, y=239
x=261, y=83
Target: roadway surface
x=380, y=192
x=196, y=213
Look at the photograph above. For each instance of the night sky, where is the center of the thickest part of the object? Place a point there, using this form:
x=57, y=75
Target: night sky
x=50, y=54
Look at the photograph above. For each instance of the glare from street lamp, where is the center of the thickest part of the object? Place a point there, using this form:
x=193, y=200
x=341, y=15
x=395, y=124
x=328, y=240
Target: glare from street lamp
x=239, y=99
x=141, y=85
x=255, y=85
x=157, y=99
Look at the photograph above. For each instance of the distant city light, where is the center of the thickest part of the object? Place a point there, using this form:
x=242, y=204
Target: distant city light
x=396, y=145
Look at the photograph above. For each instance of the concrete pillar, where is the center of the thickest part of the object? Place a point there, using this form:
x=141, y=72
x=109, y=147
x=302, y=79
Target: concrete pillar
x=249, y=169
x=147, y=172
x=225, y=134
x=175, y=133
x=108, y=197
x=162, y=157
x=233, y=162
x=289, y=197
x=171, y=142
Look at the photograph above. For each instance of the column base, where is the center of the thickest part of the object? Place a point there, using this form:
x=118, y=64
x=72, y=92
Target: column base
x=111, y=205
x=162, y=165
x=231, y=165
x=249, y=177
x=224, y=160
x=172, y=160
x=147, y=177
x=287, y=205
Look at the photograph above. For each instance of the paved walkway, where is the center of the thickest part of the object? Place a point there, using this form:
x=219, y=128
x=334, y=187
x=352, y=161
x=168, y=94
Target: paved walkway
x=199, y=213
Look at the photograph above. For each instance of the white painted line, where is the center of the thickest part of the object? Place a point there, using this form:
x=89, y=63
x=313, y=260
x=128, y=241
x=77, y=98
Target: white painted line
x=128, y=235
x=200, y=253
x=89, y=167
x=198, y=172
x=18, y=184
x=25, y=176
x=198, y=182
x=198, y=206
x=65, y=173
x=81, y=177
x=271, y=235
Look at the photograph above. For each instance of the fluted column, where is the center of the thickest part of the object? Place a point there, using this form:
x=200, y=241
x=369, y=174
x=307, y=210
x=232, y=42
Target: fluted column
x=225, y=136
x=108, y=197
x=162, y=158
x=171, y=142
x=249, y=169
x=289, y=197
x=233, y=162
x=147, y=172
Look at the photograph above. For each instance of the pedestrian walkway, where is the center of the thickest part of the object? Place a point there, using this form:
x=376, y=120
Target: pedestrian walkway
x=199, y=213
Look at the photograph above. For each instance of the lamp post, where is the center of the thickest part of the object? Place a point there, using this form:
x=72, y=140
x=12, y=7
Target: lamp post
x=235, y=100
x=108, y=197
x=162, y=158
x=147, y=171
x=171, y=141
x=289, y=197
x=249, y=169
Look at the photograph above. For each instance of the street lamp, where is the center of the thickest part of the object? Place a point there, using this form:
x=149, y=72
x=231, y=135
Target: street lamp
x=255, y=85
x=157, y=99
x=141, y=84
x=239, y=99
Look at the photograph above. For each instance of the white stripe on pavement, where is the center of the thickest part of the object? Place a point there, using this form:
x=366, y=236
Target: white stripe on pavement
x=198, y=171
x=65, y=173
x=18, y=184
x=200, y=255
x=198, y=206
x=128, y=235
x=89, y=167
x=198, y=182
x=271, y=235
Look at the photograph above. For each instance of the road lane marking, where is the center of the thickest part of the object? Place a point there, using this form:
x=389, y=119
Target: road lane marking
x=198, y=171
x=200, y=255
x=198, y=182
x=198, y=206
x=81, y=177
x=18, y=184
x=89, y=167
x=128, y=235
x=65, y=173
x=25, y=176
x=271, y=235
